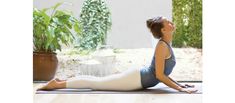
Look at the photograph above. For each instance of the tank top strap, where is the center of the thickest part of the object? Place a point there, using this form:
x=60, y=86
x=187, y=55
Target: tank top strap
x=165, y=42
x=167, y=45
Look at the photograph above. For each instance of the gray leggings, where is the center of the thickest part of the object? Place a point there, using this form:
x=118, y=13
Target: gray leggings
x=127, y=80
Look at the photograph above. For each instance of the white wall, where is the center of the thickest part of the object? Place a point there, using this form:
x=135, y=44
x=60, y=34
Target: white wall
x=128, y=18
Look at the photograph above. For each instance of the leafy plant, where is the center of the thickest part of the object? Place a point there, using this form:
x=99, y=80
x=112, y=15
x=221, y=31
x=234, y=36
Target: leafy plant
x=187, y=15
x=50, y=31
x=95, y=19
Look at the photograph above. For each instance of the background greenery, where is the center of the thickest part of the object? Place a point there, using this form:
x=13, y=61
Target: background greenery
x=95, y=19
x=187, y=15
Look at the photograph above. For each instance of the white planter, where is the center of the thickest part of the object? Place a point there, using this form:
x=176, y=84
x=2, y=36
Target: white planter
x=101, y=64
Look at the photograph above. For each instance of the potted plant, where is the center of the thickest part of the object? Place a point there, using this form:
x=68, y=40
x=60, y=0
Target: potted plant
x=49, y=33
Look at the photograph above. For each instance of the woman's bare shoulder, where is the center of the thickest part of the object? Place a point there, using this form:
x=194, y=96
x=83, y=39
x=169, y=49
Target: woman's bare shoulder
x=161, y=48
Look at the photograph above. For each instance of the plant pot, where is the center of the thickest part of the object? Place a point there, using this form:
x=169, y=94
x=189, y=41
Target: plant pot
x=44, y=66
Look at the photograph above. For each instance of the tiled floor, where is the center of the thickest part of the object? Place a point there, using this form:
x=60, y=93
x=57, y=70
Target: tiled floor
x=118, y=98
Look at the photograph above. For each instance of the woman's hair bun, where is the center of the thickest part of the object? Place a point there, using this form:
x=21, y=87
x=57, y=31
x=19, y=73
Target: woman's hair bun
x=155, y=25
x=150, y=23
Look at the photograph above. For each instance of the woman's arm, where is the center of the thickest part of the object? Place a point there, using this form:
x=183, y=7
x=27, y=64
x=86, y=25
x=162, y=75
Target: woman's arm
x=161, y=51
x=183, y=86
x=176, y=82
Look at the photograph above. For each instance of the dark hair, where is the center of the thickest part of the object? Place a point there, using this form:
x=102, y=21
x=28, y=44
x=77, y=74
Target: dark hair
x=155, y=25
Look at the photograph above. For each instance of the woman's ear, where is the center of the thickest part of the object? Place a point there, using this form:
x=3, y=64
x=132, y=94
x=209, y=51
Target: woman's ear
x=163, y=30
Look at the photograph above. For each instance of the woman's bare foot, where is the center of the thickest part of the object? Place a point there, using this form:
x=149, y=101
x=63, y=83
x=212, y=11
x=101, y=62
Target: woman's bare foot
x=53, y=84
x=57, y=79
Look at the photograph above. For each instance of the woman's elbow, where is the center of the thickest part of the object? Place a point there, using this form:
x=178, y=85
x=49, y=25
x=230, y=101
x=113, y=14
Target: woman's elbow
x=160, y=76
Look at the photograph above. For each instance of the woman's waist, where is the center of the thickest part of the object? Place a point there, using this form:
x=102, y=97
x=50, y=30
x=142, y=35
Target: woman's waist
x=148, y=78
x=148, y=70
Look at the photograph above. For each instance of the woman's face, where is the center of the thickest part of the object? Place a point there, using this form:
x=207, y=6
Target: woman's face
x=168, y=26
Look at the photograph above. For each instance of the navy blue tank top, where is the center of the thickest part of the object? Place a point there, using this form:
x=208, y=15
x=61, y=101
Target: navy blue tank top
x=148, y=74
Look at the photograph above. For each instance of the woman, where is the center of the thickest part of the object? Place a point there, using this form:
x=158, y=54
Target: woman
x=162, y=65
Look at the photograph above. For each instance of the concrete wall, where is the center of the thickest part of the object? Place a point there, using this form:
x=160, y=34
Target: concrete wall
x=128, y=18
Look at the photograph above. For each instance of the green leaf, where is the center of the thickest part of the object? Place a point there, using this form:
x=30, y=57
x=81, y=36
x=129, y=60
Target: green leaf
x=50, y=32
x=94, y=19
x=76, y=28
x=57, y=5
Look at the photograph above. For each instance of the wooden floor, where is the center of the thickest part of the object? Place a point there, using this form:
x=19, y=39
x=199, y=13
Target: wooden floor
x=115, y=98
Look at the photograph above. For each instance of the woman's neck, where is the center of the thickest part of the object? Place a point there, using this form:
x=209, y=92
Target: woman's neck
x=167, y=39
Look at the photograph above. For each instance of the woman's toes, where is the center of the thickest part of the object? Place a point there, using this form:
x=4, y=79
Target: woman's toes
x=59, y=80
x=43, y=86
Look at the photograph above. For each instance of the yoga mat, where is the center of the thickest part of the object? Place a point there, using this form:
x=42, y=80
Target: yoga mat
x=158, y=89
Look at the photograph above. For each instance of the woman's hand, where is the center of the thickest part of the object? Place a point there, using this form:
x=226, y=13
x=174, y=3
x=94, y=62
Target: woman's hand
x=187, y=86
x=188, y=90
